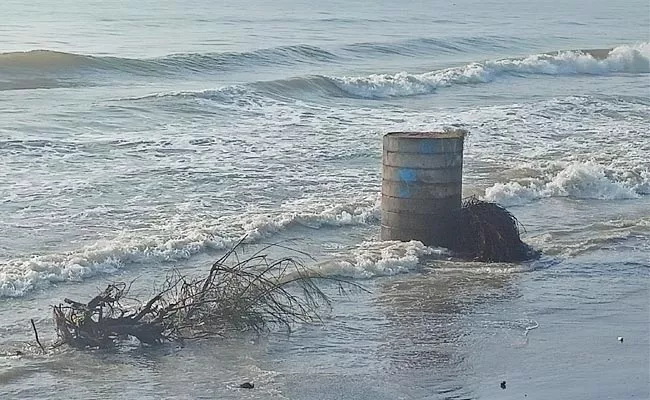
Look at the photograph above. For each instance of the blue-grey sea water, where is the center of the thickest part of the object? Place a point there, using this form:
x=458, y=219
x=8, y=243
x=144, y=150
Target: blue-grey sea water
x=141, y=136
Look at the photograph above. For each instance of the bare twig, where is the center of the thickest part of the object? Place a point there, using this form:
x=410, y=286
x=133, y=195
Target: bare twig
x=237, y=294
x=36, y=335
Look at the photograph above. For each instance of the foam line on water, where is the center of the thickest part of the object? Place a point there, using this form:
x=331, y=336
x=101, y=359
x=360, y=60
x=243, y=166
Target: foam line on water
x=577, y=180
x=372, y=259
x=20, y=275
x=623, y=59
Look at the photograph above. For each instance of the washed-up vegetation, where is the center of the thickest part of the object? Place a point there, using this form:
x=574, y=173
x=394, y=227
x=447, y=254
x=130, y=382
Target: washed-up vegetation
x=253, y=293
x=488, y=232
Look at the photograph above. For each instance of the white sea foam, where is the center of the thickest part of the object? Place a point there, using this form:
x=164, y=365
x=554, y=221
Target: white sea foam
x=19, y=276
x=578, y=180
x=371, y=259
x=333, y=216
x=628, y=59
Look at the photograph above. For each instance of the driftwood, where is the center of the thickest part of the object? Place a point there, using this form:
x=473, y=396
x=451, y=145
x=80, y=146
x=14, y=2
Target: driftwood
x=252, y=294
x=488, y=232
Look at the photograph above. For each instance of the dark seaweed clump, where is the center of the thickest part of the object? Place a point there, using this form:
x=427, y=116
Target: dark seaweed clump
x=488, y=232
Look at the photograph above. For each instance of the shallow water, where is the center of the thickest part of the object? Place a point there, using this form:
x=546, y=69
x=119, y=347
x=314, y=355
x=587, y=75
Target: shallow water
x=137, y=138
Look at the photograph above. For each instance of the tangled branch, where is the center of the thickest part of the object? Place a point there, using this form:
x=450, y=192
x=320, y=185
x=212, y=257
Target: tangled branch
x=489, y=233
x=251, y=294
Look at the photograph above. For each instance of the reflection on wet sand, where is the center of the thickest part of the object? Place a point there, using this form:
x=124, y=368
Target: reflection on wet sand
x=430, y=328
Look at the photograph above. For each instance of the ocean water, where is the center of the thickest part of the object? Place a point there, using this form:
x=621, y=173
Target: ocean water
x=137, y=137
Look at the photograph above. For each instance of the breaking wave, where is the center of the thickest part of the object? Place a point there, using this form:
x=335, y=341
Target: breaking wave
x=51, y=61
x=623, y=59
x=577, y=180
x=19, y=276
x=49, y=69
x=372, y=259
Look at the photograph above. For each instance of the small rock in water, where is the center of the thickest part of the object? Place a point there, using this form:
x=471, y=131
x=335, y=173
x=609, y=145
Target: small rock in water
x=503, y=384
x=247, y=385
x=620, y=339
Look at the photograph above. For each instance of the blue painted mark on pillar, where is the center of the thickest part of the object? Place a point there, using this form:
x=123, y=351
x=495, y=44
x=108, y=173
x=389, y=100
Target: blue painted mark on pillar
x=427, y=146
x=404, y=190
x=407, y=175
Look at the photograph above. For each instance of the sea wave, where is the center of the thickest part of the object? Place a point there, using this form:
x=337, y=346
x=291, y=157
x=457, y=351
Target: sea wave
x=48, y=60
x=21, y=275
x=49, y=69
x=256, y=93
x=45, y=69
x=43, y=60
x=623, y=59
x=577, y=180
x=372, y=259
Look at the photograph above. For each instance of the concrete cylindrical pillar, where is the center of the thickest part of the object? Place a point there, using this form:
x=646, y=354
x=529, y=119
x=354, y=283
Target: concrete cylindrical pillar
x=421, y=185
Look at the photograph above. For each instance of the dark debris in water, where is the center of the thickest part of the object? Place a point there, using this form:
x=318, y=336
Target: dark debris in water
x=237, y=294
x=488, y=232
